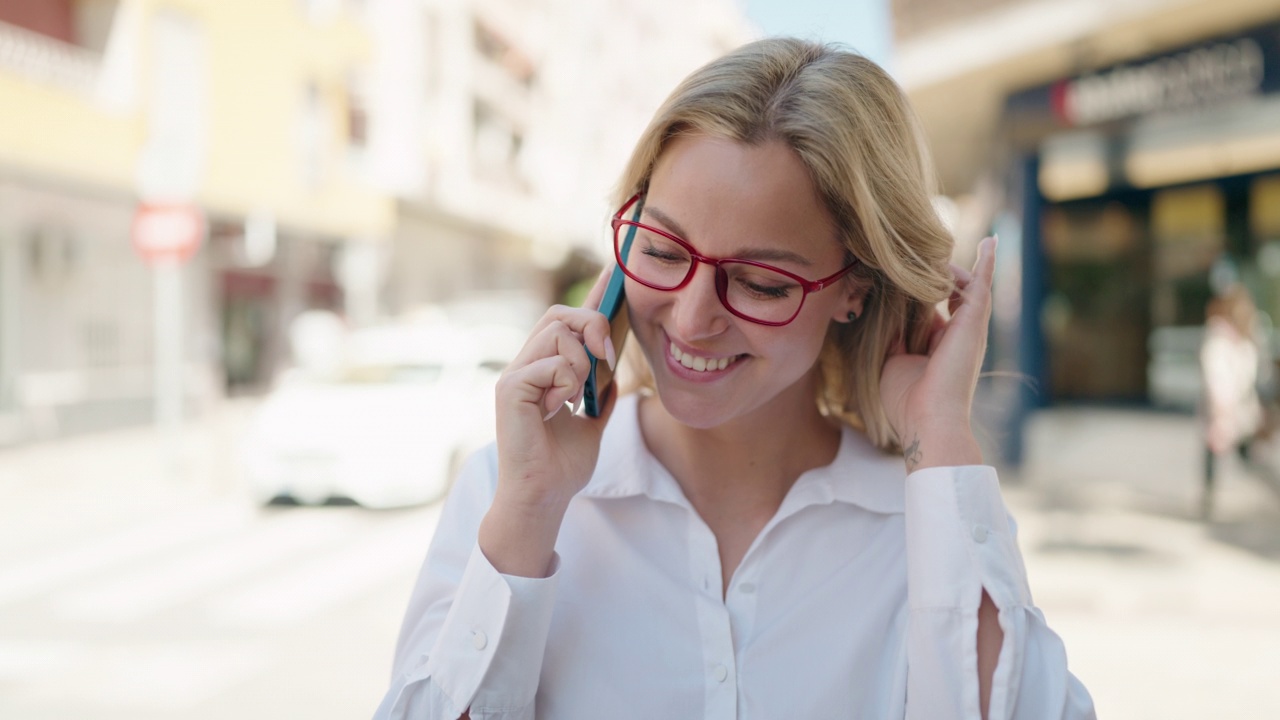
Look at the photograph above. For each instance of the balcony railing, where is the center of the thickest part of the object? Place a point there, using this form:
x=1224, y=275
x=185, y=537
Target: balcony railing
x=45, y=60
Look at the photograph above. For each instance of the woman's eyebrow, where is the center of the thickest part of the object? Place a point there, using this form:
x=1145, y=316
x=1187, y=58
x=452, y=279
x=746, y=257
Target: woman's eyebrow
x=760, y=254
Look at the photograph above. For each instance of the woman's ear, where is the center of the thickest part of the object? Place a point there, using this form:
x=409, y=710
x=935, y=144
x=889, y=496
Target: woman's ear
x=854, y=303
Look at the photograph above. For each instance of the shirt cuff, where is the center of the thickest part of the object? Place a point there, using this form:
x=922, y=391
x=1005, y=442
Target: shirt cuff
x=960, y=540
x=489, y=651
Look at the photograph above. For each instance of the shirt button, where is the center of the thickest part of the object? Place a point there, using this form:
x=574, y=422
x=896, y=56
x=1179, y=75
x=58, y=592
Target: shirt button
x=479, y=639
x=720, y=672
x=979, y=533
x=747, y=588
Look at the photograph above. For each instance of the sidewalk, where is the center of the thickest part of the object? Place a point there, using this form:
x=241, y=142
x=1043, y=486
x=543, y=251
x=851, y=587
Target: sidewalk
x=48, y=487
x=1163, y=616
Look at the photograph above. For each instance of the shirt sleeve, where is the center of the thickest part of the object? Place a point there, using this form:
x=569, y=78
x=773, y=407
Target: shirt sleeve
x=472, y=637
x=961, y=541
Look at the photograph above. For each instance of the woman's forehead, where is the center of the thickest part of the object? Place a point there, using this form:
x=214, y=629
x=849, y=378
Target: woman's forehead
x=710, y=190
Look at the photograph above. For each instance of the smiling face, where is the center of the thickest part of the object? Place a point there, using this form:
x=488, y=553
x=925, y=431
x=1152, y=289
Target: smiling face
x=732, y=200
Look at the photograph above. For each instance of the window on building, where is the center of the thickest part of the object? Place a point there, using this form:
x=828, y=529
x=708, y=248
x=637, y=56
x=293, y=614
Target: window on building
x=1264, y=236
x=1094, y=318
x=493, y=47
x=51, y=18
x=357, y=112
x=93, y=19
x=498, y=142
x=1188, y=237
x=312, y=135
x=1264, y=208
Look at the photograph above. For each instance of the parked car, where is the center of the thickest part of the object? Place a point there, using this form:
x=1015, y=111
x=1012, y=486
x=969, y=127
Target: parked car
x=387, y=425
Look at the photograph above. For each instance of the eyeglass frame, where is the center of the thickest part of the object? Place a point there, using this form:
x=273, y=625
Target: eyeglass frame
x=722, y=277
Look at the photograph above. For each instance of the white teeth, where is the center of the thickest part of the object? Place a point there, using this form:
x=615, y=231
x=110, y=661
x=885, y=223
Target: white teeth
x=699, y=364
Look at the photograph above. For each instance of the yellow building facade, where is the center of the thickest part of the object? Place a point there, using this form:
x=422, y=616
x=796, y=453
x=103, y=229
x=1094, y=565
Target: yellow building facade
x=248, y=109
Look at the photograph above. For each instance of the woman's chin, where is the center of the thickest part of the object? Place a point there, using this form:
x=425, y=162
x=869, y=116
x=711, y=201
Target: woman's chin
x=692, y=410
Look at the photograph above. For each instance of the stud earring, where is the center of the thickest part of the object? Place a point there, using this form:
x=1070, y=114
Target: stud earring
x=852, y=316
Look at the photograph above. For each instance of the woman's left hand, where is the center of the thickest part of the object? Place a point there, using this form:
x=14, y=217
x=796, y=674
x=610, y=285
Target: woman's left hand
x=928, y=398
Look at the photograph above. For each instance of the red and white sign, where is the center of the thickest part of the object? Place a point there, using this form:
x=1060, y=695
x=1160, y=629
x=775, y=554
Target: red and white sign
x=167, y=232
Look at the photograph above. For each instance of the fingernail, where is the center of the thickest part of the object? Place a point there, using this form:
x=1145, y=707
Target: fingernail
x=610, y=355
x=552, y=413
x=576, y=405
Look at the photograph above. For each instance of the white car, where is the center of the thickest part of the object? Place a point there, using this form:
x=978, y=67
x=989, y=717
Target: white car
x=387, y=425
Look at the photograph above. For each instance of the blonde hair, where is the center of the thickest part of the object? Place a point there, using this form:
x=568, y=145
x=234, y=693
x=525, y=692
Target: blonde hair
x=851, y=125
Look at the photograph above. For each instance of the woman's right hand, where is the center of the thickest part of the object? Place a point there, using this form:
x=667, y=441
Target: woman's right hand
x=546, y=451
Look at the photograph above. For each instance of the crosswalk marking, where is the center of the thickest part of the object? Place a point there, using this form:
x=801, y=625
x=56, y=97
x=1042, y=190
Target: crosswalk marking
x=143, y=592
x=38, y=575
x=244, y=574
x=328, y=581
x=166, y=677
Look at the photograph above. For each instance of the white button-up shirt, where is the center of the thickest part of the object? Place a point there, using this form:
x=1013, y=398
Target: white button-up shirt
x=859, y=599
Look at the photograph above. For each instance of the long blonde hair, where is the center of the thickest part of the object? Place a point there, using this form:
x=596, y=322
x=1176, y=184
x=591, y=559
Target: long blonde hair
x=851, y=125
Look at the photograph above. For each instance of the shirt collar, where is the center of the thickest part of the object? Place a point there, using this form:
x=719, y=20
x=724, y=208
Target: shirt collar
x=861, y=474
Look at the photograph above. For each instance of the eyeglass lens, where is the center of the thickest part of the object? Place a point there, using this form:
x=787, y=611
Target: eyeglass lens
x=750, y=290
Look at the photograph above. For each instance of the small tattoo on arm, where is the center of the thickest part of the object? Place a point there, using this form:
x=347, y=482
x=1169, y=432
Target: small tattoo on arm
x=913, y=455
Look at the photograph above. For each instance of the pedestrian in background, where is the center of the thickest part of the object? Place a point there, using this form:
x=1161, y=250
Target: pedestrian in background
x=793, y=520
x=1231, y=409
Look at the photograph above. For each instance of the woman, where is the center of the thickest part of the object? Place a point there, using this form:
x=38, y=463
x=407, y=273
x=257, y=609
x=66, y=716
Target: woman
x=1231, y=409
x=743, y=540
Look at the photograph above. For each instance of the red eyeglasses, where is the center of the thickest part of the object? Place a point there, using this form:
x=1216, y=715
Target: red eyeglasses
x=750, y=290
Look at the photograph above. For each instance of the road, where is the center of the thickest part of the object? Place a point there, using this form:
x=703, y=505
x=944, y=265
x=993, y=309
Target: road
x=128, y=594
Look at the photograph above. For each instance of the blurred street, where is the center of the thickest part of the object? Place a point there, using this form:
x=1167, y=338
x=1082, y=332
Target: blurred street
x=312, y=224
x=124, y=594
x=1163, y=616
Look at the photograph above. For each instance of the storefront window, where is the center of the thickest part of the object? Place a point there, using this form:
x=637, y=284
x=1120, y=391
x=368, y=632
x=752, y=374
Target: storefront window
x=1188, y=227
x=1189, y=259
x=1264, y=238
x=1094, y=317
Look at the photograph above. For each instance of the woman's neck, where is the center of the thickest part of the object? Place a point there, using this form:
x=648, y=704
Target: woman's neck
x=749, y=464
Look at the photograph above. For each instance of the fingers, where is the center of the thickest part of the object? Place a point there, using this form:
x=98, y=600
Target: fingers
x=596, y=294
x=937, y=329
x=974, y=289
x=599, y=342
x=549, y=382
x=552, y=367
x=969, y=304
x=556, y=339
x=985, y=266
x=588, y=326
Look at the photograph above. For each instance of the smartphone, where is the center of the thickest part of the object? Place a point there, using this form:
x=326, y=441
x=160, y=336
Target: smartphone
x=614, y=306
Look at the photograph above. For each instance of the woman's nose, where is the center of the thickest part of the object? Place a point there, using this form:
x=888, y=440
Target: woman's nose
x=698, y=310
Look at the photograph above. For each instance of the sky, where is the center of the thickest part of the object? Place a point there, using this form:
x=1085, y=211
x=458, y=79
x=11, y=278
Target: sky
x=861, y=24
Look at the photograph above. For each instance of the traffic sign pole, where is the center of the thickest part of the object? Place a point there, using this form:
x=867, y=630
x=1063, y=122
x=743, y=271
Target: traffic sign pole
x=166, y=236
x=169, y=381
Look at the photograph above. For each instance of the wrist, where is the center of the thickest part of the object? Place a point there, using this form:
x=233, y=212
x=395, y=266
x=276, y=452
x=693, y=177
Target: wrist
x=520, y=539
x=940, y=443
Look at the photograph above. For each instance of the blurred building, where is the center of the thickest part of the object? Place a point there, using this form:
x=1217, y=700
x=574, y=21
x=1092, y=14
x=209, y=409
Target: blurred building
x=362, y=156
x=500, y=127
x=1128, y=154
x=243, y=109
